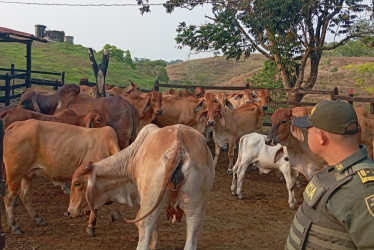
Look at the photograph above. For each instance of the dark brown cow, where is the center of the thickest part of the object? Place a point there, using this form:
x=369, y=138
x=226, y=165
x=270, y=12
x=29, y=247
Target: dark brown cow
x=118, y=113
x=46, y=104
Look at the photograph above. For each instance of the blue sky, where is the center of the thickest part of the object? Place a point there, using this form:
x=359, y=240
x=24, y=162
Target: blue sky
x=149, y=36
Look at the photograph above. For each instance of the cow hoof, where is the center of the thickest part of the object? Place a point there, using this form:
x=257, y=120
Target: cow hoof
x=90, y=231
x=229, y=171
x=240, y=197
x=40, y=221
x=233, y=193
x=16, y=230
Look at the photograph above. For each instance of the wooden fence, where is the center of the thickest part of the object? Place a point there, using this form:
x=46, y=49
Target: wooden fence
x=12, y=75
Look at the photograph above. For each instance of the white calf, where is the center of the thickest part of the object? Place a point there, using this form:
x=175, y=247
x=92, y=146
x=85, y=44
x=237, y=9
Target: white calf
x=253, y=150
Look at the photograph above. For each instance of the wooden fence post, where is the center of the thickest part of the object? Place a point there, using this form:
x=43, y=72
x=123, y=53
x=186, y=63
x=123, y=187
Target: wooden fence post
x=156, y=85
x=12, y=73
x=372, y=104
x=334, y=92
x=350, y=94
x=7, y=90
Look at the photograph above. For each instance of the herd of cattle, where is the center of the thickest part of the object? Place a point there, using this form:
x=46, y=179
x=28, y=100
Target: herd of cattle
x=148, y=149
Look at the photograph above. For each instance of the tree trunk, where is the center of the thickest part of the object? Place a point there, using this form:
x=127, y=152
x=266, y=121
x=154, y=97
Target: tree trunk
x=315, y=58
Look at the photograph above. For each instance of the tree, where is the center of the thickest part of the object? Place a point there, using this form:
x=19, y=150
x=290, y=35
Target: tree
x=119, y=55
x=290, y=33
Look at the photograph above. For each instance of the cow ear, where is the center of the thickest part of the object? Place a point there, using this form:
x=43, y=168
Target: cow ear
x=199, y=105
x=222, y=120
x=203, y=116
x=297, y=133
x=147, y=106
x=90, y=192
x=88, y=120
x=278, y=155
x=229, y=104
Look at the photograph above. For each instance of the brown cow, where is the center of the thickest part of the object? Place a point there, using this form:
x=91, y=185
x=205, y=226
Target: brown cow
x=91, y=120
x=147, y=104
x=178, y=110
x=46, y=104
x=301, y=158
x=163, y=169
x=118, y=113
x=50, y=149
x=229, y=125
x=119, y=91
x=282, y=131
x=198, y=92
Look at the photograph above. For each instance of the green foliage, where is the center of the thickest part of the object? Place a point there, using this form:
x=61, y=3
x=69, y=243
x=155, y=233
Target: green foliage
x=156, y=68
x=267, y=77
x=71, y=59
x=351, y=49
x=285, y=31
x=119, y=55
x=364, y=74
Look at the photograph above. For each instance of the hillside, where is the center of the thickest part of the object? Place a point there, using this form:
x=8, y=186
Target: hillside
x=74, y=60
x=219, y=71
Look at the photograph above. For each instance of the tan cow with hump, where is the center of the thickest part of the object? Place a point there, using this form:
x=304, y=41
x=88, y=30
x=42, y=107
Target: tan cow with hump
x=168, y=168
x=51, y=149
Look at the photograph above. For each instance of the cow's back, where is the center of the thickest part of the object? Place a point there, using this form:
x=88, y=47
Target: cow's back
x=119, y=114
x=54, y=149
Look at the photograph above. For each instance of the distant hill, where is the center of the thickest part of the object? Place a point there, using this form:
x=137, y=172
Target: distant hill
x=74, y=60
x=219, y=71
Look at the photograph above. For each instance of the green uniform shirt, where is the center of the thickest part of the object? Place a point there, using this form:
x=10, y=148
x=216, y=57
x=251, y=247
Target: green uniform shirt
x=353, y=203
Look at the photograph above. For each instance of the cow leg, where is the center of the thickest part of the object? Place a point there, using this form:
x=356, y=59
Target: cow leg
x=9, y=199
x=25, y=194
x=290, y=183
x=217, y=151
x=148, y=238
x=230, y=154
x=195, y=214
x=234, y=182
x=90, y=230
x=241, y=173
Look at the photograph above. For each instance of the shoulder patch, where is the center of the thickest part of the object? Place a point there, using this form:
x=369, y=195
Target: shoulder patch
x=366, y=175
x=370, y=204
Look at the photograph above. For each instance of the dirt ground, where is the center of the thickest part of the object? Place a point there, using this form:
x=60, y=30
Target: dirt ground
x=261, y=220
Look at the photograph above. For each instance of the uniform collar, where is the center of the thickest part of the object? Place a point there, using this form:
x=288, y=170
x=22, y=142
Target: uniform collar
x=352, y=159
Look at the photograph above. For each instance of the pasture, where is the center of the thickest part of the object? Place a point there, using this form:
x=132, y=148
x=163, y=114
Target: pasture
x=261, y=220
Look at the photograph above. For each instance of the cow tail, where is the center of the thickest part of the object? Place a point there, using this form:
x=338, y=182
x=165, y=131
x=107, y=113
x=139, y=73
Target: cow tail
x=135, y=129
x=174, y=159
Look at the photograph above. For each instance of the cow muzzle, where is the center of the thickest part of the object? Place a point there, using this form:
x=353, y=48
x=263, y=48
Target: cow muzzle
x=210, y=123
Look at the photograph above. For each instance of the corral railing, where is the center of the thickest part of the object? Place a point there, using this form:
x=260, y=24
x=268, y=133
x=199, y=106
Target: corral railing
x=12, y=79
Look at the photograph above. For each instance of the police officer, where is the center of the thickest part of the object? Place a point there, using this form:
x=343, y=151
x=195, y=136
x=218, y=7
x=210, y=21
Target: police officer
x=338, y=207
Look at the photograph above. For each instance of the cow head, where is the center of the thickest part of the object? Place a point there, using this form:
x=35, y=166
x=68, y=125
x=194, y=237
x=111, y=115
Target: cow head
x=280, y=126
x=214, y=114
x=82, y=190
x=155, y=100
